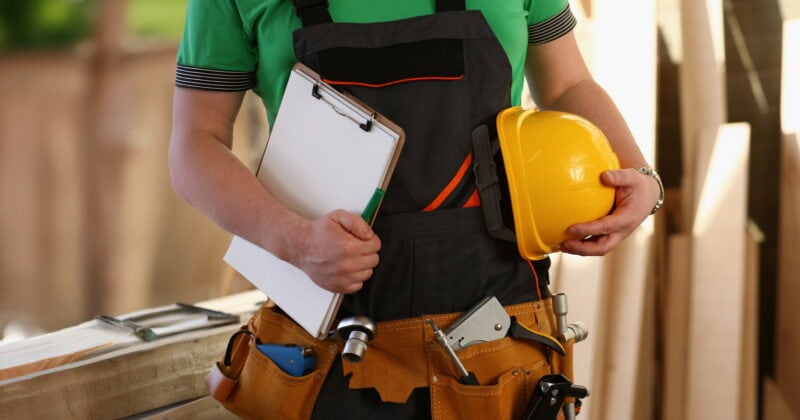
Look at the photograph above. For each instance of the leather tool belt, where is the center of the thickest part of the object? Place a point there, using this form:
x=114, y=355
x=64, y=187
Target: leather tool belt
x=402, y=356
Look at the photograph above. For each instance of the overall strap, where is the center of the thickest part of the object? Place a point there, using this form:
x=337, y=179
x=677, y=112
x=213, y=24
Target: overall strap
x=450, y=5
x=314, y=12
x=488, y=183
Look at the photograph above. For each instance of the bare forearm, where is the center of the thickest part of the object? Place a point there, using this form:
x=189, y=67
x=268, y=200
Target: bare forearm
x=338, y=250
x=561, y=81
x=592, y=102
x=213, y=180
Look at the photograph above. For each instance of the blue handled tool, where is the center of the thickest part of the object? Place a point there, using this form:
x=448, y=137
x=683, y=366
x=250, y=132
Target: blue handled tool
x=292, y=359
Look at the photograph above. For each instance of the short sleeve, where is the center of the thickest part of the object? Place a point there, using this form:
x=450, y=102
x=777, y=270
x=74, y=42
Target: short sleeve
x=549, y=20
x=215, y=52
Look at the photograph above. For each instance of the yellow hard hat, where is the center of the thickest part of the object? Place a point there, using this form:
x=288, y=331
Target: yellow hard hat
x=553, y=161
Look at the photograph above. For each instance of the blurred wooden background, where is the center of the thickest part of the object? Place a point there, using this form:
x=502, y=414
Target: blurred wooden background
x=83, y=169
x=692, y=318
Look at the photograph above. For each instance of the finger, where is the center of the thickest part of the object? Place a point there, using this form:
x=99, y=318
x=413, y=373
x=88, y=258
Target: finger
x=602, y=226
x=371, y=246
x=345, y=268
x=366, y=262
x=619, y=177
x=356, y=281
x=352, y=223
x=362, y=276
x=351, y=288
x=355, y=248
x=594, y=246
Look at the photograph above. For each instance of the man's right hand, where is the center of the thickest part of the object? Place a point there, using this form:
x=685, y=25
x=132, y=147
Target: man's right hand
x=338, y=251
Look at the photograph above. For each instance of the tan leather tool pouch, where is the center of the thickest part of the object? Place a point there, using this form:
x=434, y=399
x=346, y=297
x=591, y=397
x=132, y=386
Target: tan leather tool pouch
x=251, y=385
x=507, y=369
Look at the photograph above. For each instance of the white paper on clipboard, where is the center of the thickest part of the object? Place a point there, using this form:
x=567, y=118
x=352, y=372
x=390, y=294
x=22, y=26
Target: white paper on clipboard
x=326, y=151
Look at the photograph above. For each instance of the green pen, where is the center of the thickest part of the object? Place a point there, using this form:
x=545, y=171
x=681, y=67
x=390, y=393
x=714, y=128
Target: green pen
x=372, y=205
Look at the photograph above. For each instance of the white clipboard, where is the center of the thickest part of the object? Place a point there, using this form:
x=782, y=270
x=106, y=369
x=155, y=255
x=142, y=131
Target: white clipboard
x=326, y=151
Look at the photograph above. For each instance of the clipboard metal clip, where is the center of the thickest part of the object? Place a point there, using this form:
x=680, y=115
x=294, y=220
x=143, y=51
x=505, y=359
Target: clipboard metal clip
x=366, y=126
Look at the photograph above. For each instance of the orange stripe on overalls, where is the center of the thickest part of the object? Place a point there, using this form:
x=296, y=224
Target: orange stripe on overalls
x=474, y=200
x=451, y=185
x=393, y=82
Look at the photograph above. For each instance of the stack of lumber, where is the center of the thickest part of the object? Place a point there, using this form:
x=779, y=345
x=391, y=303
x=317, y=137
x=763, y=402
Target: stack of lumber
x=95, y=370
x=664, y=294
x=782, y=392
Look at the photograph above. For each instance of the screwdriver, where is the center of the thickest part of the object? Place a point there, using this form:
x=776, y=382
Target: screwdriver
x=467, y=378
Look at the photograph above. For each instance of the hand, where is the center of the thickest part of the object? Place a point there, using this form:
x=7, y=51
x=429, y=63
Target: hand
x=636, y=195
x=338, y=251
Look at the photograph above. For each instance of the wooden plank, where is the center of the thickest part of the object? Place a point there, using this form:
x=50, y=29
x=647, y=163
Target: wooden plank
x=717, y=280
x=790, y=71
x=628, y=279
x=121, y=383
x=787, y=337
x=626, y=65
x=775, y=404
x=91, y=339
x=135, y=379
x=748, y=403
x=626, y=68
x=144, y=189
x=646, y=370
x=23, y=369
x=583, y=279
x=47, y=261
x=676, y=323
x=205, y=408
x=103, y=152
x=702, y=92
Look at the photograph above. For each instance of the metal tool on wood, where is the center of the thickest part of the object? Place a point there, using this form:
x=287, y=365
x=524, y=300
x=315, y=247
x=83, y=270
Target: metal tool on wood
x=181, y=318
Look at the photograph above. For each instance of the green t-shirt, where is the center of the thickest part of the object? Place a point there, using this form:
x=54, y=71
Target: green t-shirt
x=236, y=45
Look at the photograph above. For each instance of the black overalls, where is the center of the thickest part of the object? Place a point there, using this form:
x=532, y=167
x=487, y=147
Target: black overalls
x=439, y=77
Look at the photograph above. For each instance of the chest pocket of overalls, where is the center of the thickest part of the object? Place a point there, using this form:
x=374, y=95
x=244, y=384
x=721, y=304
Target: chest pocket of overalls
x=438, y=76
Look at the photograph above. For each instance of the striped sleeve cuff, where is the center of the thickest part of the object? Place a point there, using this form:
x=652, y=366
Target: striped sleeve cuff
x=210, y=79
x=553, y=28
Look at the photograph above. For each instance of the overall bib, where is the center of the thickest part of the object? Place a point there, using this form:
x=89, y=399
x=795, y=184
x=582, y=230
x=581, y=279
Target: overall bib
x=438, y=76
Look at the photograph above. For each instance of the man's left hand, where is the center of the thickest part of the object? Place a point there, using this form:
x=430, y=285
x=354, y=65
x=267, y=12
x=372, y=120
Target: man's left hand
x=636, y=195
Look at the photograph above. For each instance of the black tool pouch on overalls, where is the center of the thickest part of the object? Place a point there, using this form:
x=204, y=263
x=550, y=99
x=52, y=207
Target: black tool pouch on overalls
x=492, y=184
x=251, y=385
